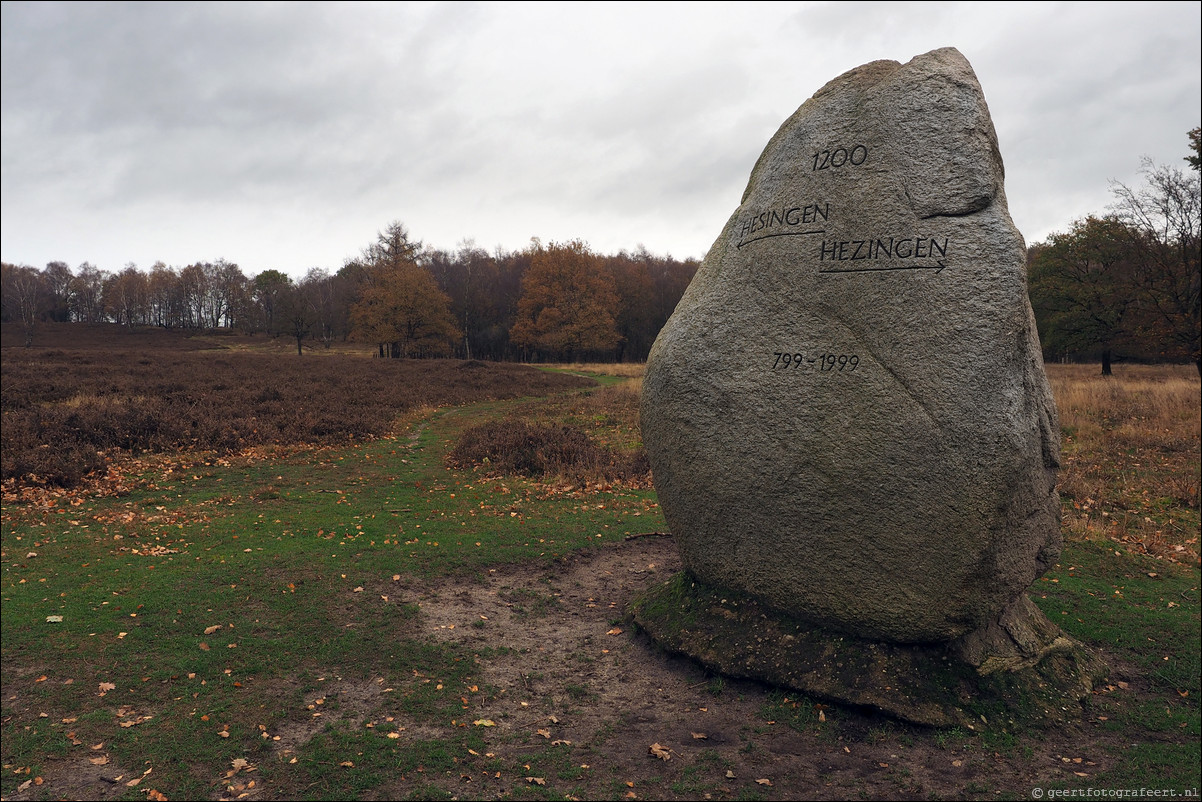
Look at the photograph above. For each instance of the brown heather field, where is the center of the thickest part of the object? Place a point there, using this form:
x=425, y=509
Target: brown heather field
x=88, y=395
x=67, y=412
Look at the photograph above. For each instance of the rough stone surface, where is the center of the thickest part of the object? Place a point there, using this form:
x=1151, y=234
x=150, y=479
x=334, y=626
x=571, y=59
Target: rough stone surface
x=893, y=476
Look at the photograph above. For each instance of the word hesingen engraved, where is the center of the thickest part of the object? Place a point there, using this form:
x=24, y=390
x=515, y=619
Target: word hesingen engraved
x=823, y=363
x=827, y=159
x=781, y=222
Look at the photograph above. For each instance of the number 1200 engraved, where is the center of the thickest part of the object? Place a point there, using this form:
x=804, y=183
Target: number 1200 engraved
x=826, y=159
x=823, y=363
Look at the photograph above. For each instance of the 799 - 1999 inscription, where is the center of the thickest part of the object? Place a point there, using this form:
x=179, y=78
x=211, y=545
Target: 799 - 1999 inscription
x=823, y=363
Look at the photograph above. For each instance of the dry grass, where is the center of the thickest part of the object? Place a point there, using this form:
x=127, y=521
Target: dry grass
x=1131, y=455
x=627, y=370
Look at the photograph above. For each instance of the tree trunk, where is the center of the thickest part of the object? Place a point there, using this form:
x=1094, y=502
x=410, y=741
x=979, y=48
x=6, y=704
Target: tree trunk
x=1106, y=362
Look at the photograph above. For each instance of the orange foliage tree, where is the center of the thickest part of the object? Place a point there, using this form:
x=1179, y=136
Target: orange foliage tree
x=568, y=304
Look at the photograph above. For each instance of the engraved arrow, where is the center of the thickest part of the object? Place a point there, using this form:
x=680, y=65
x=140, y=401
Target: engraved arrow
x=750, y=240
x=938, y=267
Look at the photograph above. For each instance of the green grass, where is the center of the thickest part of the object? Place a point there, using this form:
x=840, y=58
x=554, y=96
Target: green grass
x=303, y=569
x=298, y=569
x=1146, y=614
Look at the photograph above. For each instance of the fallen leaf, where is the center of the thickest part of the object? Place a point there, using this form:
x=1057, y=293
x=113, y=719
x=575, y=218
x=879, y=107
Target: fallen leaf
x=561, y=742
x=240, y=763
x=204, y=647
x=821, y=716
x=156, y=796
x=105, y=687
x=700, y=735
x=764, y=781
x=348, y=764
x=358, y=589
x=660, y=752
x=394, y=735
x=730, y=775
x=544, y=733
x=99, y=761
x=614, y=631
x=536, y=780
x=212, y=629
x=484, y=722
x=54, y=619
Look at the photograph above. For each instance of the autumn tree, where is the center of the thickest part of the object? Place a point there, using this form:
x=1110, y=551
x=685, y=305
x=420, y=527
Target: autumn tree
x=568, y=304
x=400, y=307
x=405, y=314
x=1163, y=221
x=1081, y=288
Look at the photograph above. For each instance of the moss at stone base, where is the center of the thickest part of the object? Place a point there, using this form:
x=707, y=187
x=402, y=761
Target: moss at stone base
x=931, y=684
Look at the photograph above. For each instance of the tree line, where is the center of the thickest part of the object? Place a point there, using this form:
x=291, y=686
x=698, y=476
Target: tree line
x=1127, y=284
x=547, y=302
x=1124, y=285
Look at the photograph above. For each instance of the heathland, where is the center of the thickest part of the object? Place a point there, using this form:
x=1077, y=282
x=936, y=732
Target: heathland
x=232, y=572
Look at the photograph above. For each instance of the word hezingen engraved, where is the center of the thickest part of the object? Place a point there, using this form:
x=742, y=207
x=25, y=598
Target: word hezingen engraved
x=824, y=363
x=876, y=249
x=771, y=220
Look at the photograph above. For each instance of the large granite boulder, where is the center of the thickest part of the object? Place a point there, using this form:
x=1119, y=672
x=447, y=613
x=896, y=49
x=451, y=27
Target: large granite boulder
x=847, y=415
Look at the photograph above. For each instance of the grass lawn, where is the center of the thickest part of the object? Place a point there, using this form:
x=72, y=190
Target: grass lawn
x=261, y=625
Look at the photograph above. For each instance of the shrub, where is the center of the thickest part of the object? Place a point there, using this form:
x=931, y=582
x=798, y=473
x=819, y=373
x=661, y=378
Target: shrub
x=544, y=450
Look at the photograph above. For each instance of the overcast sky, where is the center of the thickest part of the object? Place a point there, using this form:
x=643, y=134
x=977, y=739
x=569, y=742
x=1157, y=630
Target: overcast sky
x=287, y=135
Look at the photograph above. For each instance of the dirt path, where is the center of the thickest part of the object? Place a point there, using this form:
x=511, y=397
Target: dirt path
x=573, y=670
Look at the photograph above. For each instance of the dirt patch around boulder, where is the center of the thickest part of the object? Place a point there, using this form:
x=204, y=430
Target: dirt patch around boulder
x=636, y=722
